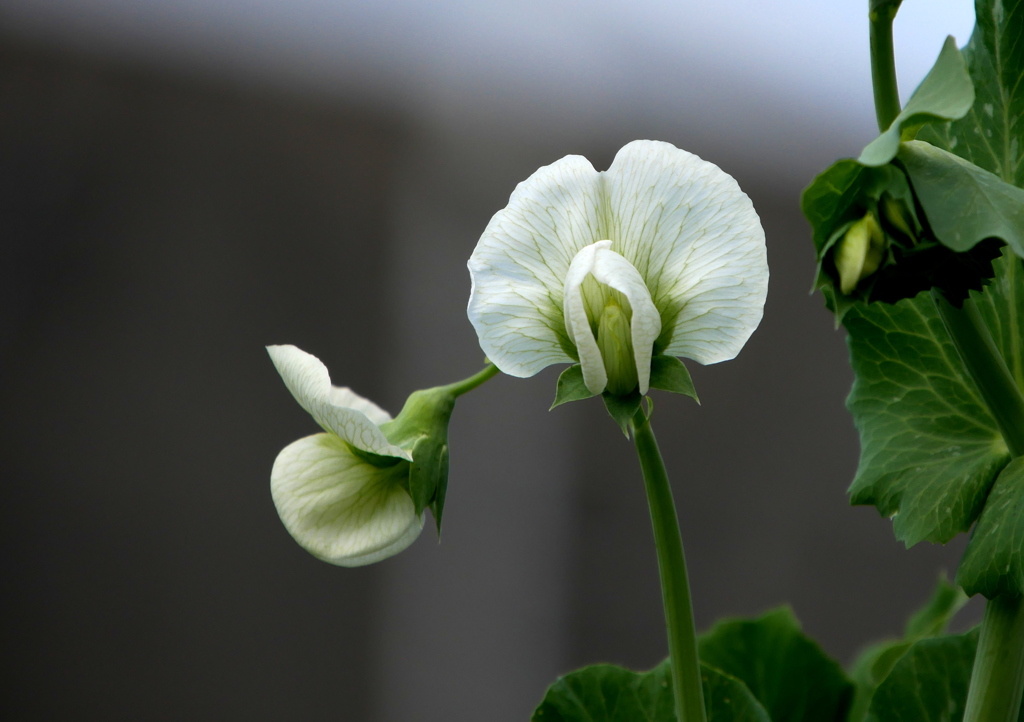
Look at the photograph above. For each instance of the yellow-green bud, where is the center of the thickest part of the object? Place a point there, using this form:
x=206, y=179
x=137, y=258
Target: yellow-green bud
x=860, y=252
x=896, y=213
x=614, y=339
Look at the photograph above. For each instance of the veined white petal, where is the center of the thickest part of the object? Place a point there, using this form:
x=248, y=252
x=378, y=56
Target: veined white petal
x=340, y=508
x=696, y=240
x=577, y=325
x=308, y=380
x=612, y=269
x=519, y=266
x=347, y=398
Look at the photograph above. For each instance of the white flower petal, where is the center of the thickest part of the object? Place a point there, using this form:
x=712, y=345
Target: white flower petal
x=695, y=238
x=308, y=380
x=519, y=266
x=347, y=398
x=612, y=269
x=340, y=508
x=577, y=325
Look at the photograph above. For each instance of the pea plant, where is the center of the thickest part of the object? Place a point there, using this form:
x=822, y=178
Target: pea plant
x=919, y=243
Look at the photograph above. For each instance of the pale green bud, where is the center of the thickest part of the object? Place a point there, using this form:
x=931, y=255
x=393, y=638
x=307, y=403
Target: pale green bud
x=614, y=339
x=860, y=252
x=895, y=213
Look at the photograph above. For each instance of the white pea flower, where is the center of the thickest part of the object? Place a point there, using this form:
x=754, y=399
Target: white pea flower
x=343, y=495
x=660, y=255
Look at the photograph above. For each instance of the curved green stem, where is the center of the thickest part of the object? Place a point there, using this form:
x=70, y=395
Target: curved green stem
x=883, y=63
x=460, y=387
x=997, y=679
x=675, y=587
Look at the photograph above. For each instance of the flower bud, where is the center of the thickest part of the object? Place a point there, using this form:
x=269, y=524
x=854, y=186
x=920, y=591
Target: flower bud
x=895, y=212
x=614, y=339
x=860, y=252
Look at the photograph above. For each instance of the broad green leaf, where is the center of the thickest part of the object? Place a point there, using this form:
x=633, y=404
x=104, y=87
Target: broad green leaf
x=873, y=665
x=964, y=204
x=670, y=374
x=606, y=693
x=945, y=94
x=571, y=386
x=994, y=559
x=929, y=683
x=1002, y=306
x=930, y=450
x=787, y=672
x=991, y=135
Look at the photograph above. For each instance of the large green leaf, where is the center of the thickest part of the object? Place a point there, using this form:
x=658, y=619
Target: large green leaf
x=994, y=559
x=991, y=135
x=930, y=449
x=929, y=683
x=946, y=93
x=873, y=665
x=606, y=693
x=964, y=204
x=788, y=672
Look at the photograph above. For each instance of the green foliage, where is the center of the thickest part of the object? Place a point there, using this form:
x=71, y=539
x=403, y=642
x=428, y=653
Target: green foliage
x=929, y=683
x=994, y=559
x=786, y=671
x=930, y=449
x=946, y=93
x=991, y=135
x=670, y=374
x=873, y=665
x=606, y=693
x=571, y=386
x=964, y=204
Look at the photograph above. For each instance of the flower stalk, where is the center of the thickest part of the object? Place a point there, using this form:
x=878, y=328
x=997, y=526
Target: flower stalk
x=688, y=692
x=883, y=63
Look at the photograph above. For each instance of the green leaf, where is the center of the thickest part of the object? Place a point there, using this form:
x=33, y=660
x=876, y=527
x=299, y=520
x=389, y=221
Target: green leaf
x=994, y=560
x=606, y=693
x=930, y=449
x=622, y=408
x=964, y=204
x=929, y=683
x=873, y=665
x=571, y=387
x=945, y=94
x=991, y=135
x=1001, y=304
x=786, y=671
x=670, y=374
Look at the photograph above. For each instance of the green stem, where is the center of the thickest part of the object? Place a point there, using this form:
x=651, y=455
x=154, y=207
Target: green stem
x=883, y=63
x=675, y=587
x=986, y=367
x=460, y=387
x=997, y=680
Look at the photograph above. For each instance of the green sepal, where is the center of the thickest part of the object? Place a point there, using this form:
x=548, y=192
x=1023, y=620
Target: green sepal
x=571, y=387
x=437, y=506
x=928, y=683
x=787, y=672
x=945, y=94
x=670, y=374
x=423, y=481
x=623, y=408
x=422, y=427
x=993, y=563
x=873, y=665
x=964, y=204
x=607, y=693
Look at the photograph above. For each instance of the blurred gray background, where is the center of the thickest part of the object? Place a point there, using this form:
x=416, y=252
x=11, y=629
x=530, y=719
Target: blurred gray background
x=185, y=181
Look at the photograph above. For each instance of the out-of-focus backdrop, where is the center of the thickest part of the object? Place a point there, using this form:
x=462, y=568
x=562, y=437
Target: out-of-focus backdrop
x=185, y=181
